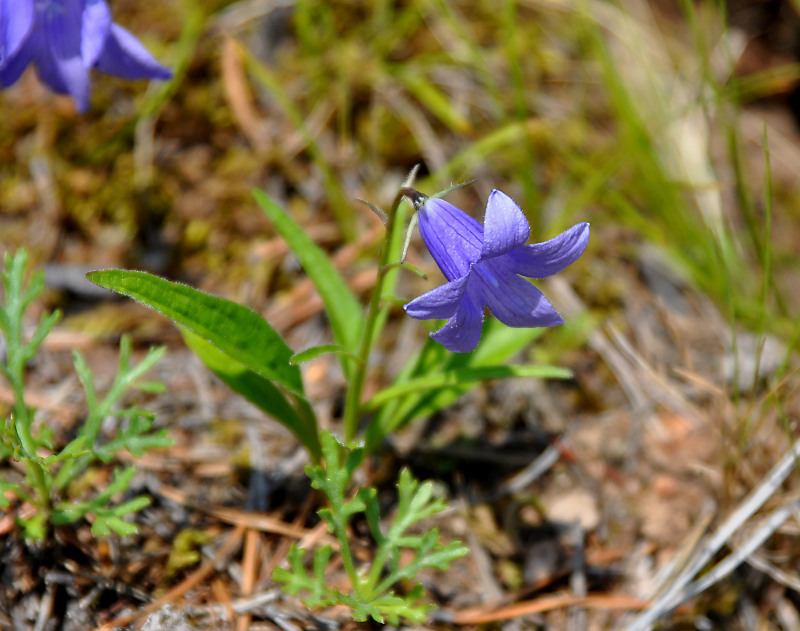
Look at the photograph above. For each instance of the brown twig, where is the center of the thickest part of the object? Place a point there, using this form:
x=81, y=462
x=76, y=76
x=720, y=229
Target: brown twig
x=233, y=540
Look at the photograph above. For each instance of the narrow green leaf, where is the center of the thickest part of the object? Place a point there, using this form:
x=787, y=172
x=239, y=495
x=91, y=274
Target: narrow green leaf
x=499, y=344
x=74, y=449
x=34, y=289
x=100, y=527
x=35, y=528
x=338, y=199
x=316, y=351
x=121, y=527
x=4, y=487
x=151, y=387
x=234, y=329
x=46, y=324
x=344, y=311
x=132, y=506
x=458, y=378
x=408, y=267
x=258, y=390
x=434, y=100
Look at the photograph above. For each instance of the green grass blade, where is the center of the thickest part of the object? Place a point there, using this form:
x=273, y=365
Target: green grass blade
x=234, y=329
x=436, y=102
x=342, y=307
x=337, y=197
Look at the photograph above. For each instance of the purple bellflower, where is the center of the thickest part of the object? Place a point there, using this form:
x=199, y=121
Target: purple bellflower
x=484, y=265
x=66, y=39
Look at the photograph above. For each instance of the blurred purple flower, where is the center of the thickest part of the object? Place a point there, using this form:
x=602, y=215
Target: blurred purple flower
x=65, y=39
x=483, y=264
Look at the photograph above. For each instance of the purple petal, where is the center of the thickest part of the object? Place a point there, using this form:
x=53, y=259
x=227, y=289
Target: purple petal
x=16, y=22
x=125, y=57
x=61, y=22
x=96, y=28
x=505, y=227
x=462, y=332
x=441, y=302
x=453, y=238
x=13, y=68
x=513, y=300
x=66, y=76
x=550, y=257
x=58, y=55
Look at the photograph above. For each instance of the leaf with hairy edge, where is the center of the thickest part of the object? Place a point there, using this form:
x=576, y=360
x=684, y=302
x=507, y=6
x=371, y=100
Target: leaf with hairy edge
x=344, y=311
x=299, y=420
x=234, y=329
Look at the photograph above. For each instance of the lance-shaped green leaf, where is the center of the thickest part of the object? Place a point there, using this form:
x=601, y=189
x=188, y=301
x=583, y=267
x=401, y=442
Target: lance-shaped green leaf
x=234, y=329
x=344, y=311
x=298, y=418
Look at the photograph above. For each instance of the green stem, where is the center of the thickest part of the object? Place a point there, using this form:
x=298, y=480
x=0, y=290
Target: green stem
x=376, y=571
x=352, y=406
x=22, y=426
x=347, y=557
x=15, y=368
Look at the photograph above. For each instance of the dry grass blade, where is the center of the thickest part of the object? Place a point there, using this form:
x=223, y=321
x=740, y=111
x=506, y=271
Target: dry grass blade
x=536, y=469
x=777, y=575
x=739, y=556
x=255, y=521
x=681, y=586
x=238, y=95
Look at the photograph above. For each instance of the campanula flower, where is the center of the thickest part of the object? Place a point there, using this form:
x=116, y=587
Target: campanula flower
x=65, y=39
x=484, y=265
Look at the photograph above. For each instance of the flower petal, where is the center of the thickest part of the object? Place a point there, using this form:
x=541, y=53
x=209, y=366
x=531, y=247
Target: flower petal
x=540, y=260
x=453, y=238
x=125, y=57
x=513, y=300
x=14, y=66
x=96, y=28
x=66, y=76
x=58, y=54
x=62, y=21
x=462, y=332
x=505, y=227
x=440, y=302
x=16, y=22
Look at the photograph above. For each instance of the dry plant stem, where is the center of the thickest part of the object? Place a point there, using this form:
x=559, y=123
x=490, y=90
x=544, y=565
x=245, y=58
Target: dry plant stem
x=352, y=406
x=607, y=602
x=220, y=592
x=249, y=564
x=740, y=555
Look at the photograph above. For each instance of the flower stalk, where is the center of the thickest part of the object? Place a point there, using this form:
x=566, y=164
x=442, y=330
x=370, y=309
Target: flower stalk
x=352, y=407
